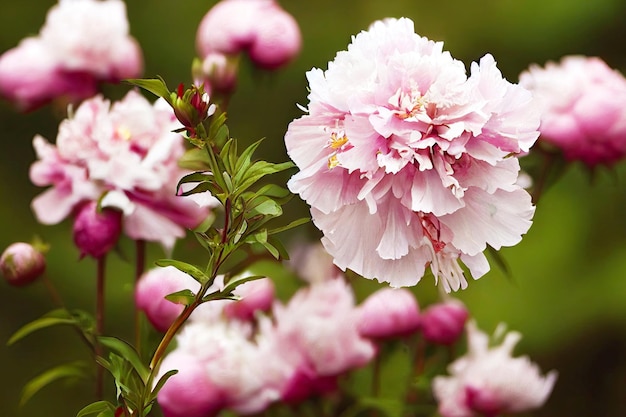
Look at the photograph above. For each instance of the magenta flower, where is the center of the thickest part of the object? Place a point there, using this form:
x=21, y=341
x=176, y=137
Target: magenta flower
x=406, y=161
x=488, y=381
x=444, y=323
x=261, y=27
x=124, y=154
x=583, y=103
x=81, y=44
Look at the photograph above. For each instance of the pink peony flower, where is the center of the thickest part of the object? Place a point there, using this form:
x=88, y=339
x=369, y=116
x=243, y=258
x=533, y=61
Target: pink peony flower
x=124, y=153
x=239, y=365
x=257, y=295
x=82, y=43
x=151, y=290
x=261, y=27
x=317, y=334
x=21, y=263
x=406, y=161
x=443, y=323
x=389, y=312
x=583, y=103
x=490, y=382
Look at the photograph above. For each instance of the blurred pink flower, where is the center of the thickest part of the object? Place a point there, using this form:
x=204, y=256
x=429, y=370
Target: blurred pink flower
x=389, y=312
x=583, y=103
x=125, y=155
x=317, y=334
x=444, y=323
x=151, y=290
x=405, y=160
x=239, y=365
x=82, y=43
x=257, y=295
x=490, y=382
x=261, y=27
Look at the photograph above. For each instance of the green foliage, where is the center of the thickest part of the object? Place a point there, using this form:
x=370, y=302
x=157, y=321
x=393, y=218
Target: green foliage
x=82, y=320
x=101, y=408
x=70, y=371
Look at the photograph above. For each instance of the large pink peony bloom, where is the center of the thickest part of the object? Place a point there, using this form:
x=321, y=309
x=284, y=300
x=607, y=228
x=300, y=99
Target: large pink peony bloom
x=584, y=108
x=124, y=154
x=490, y=382
x=406, y=161
x=82, y=43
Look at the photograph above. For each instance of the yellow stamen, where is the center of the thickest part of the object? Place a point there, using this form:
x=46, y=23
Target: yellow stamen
x=332, y=161
x=337, y=142
x=124, y=133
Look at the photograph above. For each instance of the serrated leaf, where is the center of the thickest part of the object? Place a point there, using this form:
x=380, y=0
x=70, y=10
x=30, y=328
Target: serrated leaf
x=128, y=353
x=291, y=225
x=184, y=297
x=191, y=270
x=154, y=85
x=53, y=318
x=97, y=407
x=68, y=370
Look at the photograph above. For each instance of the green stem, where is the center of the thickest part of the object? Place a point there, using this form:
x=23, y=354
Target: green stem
x=140, y=261
x=100, y=288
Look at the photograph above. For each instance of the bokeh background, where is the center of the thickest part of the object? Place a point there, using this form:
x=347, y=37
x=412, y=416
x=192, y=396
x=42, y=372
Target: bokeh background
x=566, y=291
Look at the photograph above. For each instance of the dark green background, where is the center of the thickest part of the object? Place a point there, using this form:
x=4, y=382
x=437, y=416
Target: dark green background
x=567, y=294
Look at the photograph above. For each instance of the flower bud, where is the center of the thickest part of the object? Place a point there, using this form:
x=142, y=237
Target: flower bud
x=444, y=323
x=96, y=231
x=257, y=295
x=389, y=312
x=191, y=106
x=21, y=264
x=217, y=72
x=151, y=290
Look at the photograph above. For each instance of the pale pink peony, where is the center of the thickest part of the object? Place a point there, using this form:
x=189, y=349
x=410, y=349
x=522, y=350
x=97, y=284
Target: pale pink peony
x=239, y=364
x=583, y=103
x=317, y=334
x=489, y=382
x=389, y=312
x=82, y=43
x=257, y=295
x=151, y=290
x=406, y=161
x=261, y=27
x=124, y=154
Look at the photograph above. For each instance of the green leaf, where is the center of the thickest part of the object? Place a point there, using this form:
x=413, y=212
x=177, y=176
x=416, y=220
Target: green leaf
x=245, y=159
x=69, y=370
x=184, y=297
x=160, y=383
x=127, y=352
x=195, y=272
x=53, y=318
x=155, y=85
x=97, y=407
x=269, y=207
x=291, y=225
x=195, y=159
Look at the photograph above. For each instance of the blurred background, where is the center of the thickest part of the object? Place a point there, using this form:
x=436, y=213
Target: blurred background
x=566, y=292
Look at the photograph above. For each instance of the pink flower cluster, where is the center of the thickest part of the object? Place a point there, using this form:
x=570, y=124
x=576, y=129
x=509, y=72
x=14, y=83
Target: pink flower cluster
x=123, y=155
x=407, y=162
x=243, y=355
x=583, y=103
x=82, y=43
x=489, y=382
x=269, y=35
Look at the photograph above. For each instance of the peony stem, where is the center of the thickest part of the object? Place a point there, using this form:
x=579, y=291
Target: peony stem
x=140, y=261
x=101, y=262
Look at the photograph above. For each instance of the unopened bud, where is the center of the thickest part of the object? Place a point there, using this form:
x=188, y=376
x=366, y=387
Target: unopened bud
x=389, y=312
x=217, y=72
x=22, y=264
x=278, y=40
x=444, y=323
x=96, y=231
